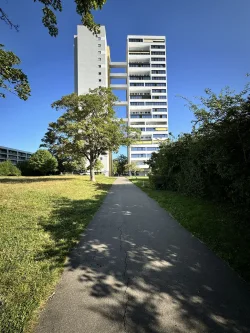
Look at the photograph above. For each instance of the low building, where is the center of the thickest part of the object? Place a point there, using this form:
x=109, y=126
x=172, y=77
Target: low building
x=13, y=155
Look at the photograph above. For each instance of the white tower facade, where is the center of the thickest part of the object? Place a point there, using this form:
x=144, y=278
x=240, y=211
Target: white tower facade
x=91, y=67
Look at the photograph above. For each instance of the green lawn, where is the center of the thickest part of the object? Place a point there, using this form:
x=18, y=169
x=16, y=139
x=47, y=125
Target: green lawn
x=219, y=226
x=41, y=218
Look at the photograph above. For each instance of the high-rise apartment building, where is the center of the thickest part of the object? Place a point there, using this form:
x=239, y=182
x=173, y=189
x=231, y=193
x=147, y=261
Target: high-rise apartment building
x=145, y=81
x=91, y=60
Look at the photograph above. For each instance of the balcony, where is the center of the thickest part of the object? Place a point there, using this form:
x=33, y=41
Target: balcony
x=119, y=86
x=121, y=103
x=118, y=64
x=118, y=75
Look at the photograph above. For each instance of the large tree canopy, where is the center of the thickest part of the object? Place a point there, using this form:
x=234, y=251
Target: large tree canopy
x=13, y=79
x=89, y=127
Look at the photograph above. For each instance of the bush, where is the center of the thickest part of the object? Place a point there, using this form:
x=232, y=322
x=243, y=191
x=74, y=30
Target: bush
x=43, y=162
x=26, y=169
x=214, y=160
x=9, y=169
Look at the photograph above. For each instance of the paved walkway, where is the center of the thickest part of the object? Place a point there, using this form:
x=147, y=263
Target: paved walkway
x=137, y=270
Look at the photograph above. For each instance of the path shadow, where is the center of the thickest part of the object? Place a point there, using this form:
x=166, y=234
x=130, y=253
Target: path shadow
x=176, y=285
x=155, y=275
x=67, y=222
x=31, y=180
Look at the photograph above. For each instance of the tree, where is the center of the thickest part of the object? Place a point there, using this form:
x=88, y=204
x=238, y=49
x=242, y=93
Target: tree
x=88, y=127
x=43, y=161
x=119, y=164
x=13, y=79
x=132, y=168
x=98, y=166
x=74, y=164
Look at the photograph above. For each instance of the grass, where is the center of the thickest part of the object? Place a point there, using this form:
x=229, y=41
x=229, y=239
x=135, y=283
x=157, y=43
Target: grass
x=41, y=219
x=221, y=227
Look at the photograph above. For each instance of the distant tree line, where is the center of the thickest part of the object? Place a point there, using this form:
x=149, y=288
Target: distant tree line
x=213, y=161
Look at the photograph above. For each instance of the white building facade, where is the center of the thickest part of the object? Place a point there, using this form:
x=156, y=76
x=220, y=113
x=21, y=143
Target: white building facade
x=91, y=67
x=147, y=102
x=145, y=82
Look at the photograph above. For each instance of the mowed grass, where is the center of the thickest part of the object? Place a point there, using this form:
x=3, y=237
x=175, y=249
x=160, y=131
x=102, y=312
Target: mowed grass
x=223, y=228
x=41, y=219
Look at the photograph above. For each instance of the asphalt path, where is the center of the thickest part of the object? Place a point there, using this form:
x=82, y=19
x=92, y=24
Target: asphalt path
x=137, y=270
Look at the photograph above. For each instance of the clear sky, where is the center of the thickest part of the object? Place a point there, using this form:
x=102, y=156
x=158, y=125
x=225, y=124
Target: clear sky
x=208, y=46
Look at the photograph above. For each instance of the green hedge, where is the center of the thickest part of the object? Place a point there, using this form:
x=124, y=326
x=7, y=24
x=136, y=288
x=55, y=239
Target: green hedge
x=214, y=160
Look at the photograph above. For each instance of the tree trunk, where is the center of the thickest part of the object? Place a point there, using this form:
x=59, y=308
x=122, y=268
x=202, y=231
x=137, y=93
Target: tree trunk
x=92, y=172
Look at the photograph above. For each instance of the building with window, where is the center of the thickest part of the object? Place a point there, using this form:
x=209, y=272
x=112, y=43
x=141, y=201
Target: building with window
x=13, y=155
x=144, y=79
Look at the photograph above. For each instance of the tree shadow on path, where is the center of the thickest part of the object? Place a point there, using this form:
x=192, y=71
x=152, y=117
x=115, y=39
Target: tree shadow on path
x=151, y=275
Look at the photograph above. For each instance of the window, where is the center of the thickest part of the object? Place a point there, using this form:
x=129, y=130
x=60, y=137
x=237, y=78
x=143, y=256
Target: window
x=155, y=84
x=100, y=73
x=136, y=103
x=137, y=148
x=159, y=90
x=138, y=155
x=99, y=45
x=99, y=66
x=157, y=47
x=158, y=65
x=159, y=78
x=159, y=136
x=158, y=72
x=100, y=80
x=99, y=52
x=158, y=59
x=100, y=158
x=99, y=59
x=156, y=103
x=135, y=40
x=158, y=53
x=160, y=109
x=99, y=38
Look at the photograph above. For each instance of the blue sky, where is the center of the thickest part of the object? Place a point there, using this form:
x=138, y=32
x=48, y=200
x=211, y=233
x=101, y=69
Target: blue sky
x=208, y=45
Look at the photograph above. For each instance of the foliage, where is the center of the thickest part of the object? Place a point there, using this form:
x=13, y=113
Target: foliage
x=74, y=164
x=119, y=164
x=88, y=127
x=43, y=162
x=11, y=78
x=41, y=219
x=132, y=167
x=98, y=165
x=9, y=169
x=218, y=225
x=26, y=169
x=214, y=160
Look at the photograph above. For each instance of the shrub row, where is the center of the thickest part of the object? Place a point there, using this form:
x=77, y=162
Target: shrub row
x=214, y=160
